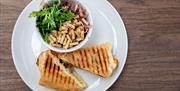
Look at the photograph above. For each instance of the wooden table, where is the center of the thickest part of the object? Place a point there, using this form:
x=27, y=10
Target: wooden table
x=153, y=62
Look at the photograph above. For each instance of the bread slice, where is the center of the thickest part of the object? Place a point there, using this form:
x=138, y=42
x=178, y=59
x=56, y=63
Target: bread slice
x=58, y=75
x=97, y=59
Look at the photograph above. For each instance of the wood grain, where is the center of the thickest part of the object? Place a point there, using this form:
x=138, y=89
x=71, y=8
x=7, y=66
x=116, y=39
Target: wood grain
x=153, y=62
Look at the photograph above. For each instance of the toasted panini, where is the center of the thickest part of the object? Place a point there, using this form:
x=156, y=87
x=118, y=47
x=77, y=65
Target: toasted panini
x=58, y=75
x=97, y=59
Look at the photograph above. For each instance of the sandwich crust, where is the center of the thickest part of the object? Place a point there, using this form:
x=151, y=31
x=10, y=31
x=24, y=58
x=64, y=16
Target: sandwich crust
x=97, y=59
x=57, y=75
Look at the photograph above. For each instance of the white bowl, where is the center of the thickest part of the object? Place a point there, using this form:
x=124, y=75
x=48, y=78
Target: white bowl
x=83, y=42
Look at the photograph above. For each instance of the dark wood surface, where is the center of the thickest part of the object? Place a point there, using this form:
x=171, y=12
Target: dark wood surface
x=153, y=62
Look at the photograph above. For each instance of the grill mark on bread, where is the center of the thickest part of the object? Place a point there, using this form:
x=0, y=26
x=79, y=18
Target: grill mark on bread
x=69, y=59
x=101, y=70
x=92, y=60
x=94, y=53
x=58, y=68
x=82, y=56
x=102, y=60
x=46, y=63
x=98, y=61
x=50, y=63
x=105, y=49
x=86, y=60
x=73, y=59
x=56, y=73
x=80, y=60
x=105, y=60
x=77, y=59
x=53, y=72
x=59, y=76
x=48, y=66
x=60, y=80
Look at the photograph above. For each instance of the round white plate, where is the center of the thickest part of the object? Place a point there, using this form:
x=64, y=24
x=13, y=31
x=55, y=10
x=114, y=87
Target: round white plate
x=108, y=27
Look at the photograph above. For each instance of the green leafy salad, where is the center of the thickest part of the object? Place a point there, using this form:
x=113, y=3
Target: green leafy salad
x=51, y=17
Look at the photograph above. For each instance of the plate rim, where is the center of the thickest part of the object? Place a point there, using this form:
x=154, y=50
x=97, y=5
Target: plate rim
x=18, y=69
x=119, y=16
x=12, y=45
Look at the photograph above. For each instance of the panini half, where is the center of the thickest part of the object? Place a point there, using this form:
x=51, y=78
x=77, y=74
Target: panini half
x=97, y=59
x=58, y=75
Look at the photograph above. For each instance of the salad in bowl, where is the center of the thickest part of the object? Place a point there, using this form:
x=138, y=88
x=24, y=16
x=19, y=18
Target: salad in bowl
x=64, y=25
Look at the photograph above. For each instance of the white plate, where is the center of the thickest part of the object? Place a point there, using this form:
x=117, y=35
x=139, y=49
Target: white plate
x=108, y=26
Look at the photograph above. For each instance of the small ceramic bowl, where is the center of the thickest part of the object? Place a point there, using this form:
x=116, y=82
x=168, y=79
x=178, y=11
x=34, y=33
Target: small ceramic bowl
x=83, y=42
